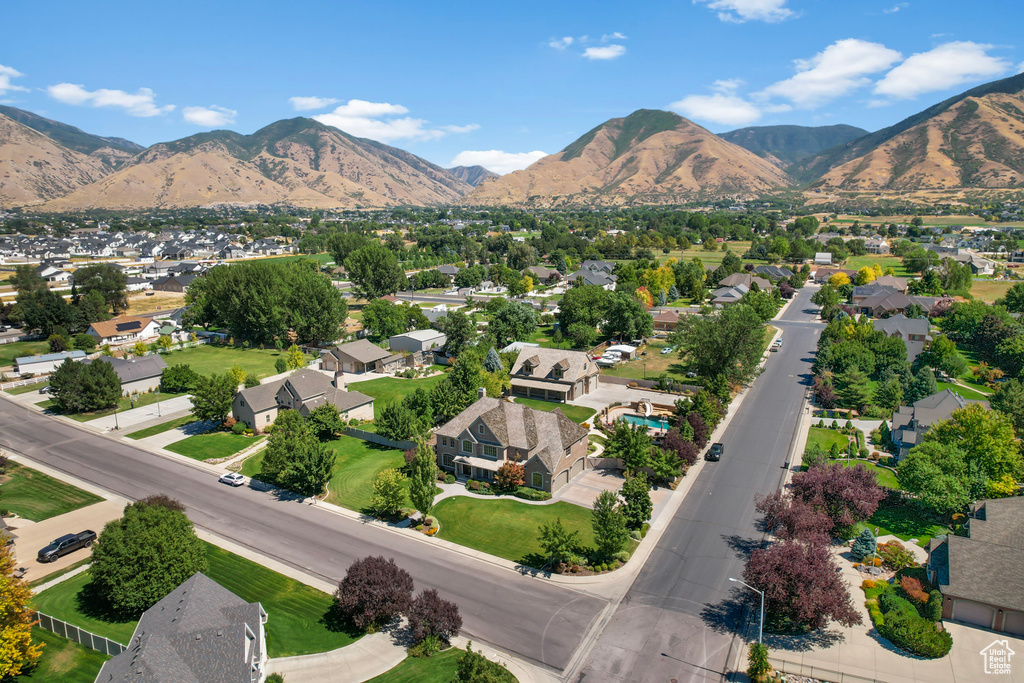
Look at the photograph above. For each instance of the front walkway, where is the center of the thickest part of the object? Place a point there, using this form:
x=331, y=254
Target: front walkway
x=130, y=420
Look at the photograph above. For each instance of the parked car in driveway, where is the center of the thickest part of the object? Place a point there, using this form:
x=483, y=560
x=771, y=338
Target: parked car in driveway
x=232, y=478
x=60, y=547
x=45, y=390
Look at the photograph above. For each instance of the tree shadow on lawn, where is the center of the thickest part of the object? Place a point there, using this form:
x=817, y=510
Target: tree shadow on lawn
x=336, y=621
x=91, y=603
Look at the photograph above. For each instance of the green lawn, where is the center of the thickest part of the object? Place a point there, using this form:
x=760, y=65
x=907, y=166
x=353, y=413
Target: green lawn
x=826, y=437
x=124, y=403
x=905, y=521
x=883, y=260
x=578, y=414
x=37, y=496
x=26, y=389
x=161, y=428
x=507, y=528
x=969, y=394
x=62, y=660
x=212, y=445
x=8, y=352
x=441, y=668
x=207, y=359
x=987, y=290
x=886, y=478
x=297, y=612
x=388, y=389
x=650, y=366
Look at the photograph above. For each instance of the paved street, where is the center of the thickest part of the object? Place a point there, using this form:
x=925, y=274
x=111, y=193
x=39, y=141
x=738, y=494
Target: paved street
x=678, y=620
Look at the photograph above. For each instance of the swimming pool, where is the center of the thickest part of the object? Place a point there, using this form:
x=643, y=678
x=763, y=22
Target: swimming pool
x=653, y=422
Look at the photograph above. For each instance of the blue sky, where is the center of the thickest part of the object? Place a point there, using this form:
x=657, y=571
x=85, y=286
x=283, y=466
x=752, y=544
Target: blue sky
x=495, y=83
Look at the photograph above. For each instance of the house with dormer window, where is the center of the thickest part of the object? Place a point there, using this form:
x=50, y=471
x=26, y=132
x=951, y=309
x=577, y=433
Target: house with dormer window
x=553, y=374
x=479, y=440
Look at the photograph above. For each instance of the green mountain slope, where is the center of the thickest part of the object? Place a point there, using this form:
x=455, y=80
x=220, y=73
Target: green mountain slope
x=68, y=136
x=787, y=145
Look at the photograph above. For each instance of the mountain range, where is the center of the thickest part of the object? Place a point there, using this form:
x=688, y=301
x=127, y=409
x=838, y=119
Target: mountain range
x=973, y=140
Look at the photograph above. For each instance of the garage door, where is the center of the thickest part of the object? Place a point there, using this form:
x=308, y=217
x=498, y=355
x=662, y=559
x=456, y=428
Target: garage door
x=1013, y=622
x=973, y=613
x=577, y=467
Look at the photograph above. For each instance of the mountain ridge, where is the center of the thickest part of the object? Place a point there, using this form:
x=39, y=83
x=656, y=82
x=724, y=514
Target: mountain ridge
x=786, y=145
x=474, y=175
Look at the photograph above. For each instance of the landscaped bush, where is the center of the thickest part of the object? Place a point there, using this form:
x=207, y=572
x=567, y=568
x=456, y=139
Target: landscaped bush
x=473, y=485
x=914, y=634
x=895, y=556
x=238, y=428
x=526, y=493
x=449, y=478
x=933, y=612
x=890, y=602
x=911, y=587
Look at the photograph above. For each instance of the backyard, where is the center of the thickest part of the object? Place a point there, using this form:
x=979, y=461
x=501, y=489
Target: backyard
x=388, y=389
x=508, y=528
x=297, y=612
x=155, y=301
x=37, y=496
x=578, y=414
x=212, y=445
x=62, y=660
x=207, y=359
x=8, y=352
x=990, y=290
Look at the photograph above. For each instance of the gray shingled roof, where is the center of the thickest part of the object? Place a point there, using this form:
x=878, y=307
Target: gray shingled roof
x=134, y=369
x=196, y=634
x=361, y=350
x=311, y=389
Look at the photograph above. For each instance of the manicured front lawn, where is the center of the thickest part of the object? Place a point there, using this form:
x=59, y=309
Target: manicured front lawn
x=208, y=359
x=905, y=521
x=508, y=528
x=824, y=438
x=62, y=660
x=212, y=445
x=8, y=352
x=297, y=612
x=37, y=496
x=886, y=478
x=124, y=403
x=161, y=428
x=578, y=414
x=388, y=389
x=441, y=668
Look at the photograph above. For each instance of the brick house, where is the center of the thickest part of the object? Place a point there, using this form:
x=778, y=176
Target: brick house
x=553, y=374
x=477, y=441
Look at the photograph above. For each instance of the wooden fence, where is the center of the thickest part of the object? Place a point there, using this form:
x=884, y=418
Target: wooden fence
x=378, y=439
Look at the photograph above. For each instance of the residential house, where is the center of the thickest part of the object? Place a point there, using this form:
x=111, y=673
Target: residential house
x=137, y=284
x=823, y=258
x=200, y=631
x=898, y=284
x=476, y=442
x=885, y=302
x=773, y=272
x=173, y=283
x=417, y=341
x=599, y=266
x=1016, y=256
x=304, y=390
x=666, y=321
x=978, y=265
x=724, y=296
x=544, y=275
x=138, y=375
x=876, y=245
x=449, y=270
x=747, y=280
x=354, y=357
x=911, y=423
x=822, y=275
x=594, y=277
x=122, y=329
x=553, y=374
x=45, y=363
x=981, y=575
x=51, y=273
x=913, y=331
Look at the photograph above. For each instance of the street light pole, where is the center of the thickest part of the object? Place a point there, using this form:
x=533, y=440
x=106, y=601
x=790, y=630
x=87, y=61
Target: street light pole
x=760, y=627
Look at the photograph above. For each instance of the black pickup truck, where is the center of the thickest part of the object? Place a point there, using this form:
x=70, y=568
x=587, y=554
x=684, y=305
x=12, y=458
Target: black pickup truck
x=66, y=544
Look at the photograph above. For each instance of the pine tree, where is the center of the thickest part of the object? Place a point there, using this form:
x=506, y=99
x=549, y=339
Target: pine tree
x=492, y=363
x=863, y=546
x=422, y=478
x=673, y=293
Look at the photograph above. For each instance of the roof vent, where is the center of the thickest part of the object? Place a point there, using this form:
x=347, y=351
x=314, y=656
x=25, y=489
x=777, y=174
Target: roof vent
x=481, y=392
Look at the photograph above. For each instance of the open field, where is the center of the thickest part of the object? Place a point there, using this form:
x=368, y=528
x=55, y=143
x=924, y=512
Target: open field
x=926, y=221
x=37, y=496
x=508, y=528
x=212, y=445
x=297, y=624
x=207, y=359
x=388, y=389
x=883, y=261
x=62, y=660
x=8, y=352
x=986, y=290
x=323, y=258
x=138, y=302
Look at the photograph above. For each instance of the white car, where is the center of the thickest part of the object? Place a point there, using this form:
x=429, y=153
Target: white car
x=667, y=349
x=232, y=478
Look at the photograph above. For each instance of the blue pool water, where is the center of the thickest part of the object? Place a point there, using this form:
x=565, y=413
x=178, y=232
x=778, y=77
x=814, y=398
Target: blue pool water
x=655, y=422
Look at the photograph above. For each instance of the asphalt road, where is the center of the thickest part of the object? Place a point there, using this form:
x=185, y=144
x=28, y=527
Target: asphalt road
x=534, y=619
x=678, y=619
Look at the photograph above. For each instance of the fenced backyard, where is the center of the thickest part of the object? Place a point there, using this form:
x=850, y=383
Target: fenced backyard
x=78, y=635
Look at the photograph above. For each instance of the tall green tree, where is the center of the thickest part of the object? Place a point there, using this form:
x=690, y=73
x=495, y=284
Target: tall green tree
x=627, y=318
x=342, y=244
x=637, y=506
x=514, y=322
x=108, y=280
x=374, y=271
x=939, y=476
x=212, y=396
x=610, y=532
x=583, y=305
x=423, y=478
x=383, y=320
x=458, y=329
x=728, y=342
x=986, y=438
x=630, y=443
x=1009, y=400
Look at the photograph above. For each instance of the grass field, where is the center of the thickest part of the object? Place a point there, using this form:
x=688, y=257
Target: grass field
x=508, y=528
x=207, y=359
x=140, y=303
x=825, y=438
x=8, y=352
x=883, y=260
x=27, y=389
x=296, y=626
x=124, y=403
x=212, y=445
x=441, y=668
x=886, y=478
x=650, y=366
x=388, y=389
x=161, y=428
x=62, y=660
x=578, y=414
x=37, y=496
x=905, y=521
x=986, y=290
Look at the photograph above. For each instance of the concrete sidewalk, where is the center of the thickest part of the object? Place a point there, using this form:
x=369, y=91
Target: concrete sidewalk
x=130, y=420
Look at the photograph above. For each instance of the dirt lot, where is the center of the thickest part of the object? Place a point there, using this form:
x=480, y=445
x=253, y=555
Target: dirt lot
x=140, y=303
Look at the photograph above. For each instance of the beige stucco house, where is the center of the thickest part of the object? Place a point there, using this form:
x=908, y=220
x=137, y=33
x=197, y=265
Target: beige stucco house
x=354, y=357
x=305, y=391
x=553, y=374
x=477, y=441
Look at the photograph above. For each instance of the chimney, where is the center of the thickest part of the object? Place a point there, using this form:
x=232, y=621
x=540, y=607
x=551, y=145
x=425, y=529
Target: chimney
x=337, y=381
x=481, y=392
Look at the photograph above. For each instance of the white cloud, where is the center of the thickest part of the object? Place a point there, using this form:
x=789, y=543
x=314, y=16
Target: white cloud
x=308, y=103
x=617, y=35
x=1020, y=68
x=837, y=70
x=739, y=11
x=209, y=117
x=605, y=52
x=727, y=85
x=945, y=66
x=6, y=74
x=896, y=8
x=139, y=103
x=377, y=121
x=497, y=160
x=562, y=43
x=726, y=109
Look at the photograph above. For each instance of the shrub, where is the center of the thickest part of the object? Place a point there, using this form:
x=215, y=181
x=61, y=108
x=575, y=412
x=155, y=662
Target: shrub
x=895, y=556
x=933, y=612
x=428, y=522
x=890, y=601
x=622, y=556
x=913, y=590
x=449, y=478
x=275, y=678
x=238, y=428
x=373, y=592
x=863, y=546
x=868, y=583
x=916, y=635
x=431, y=617
x=473, y=485
x=526, y=493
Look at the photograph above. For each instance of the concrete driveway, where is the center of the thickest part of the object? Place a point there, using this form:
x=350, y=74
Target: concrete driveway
x=32, y=536
x=584, y=489
x=129, y=420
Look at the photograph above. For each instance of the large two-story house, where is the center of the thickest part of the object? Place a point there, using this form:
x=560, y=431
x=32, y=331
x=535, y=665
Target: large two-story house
x=915, y=332
x=553, y=374
x=477, y=441
x=911, y=423
x=304, y=391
